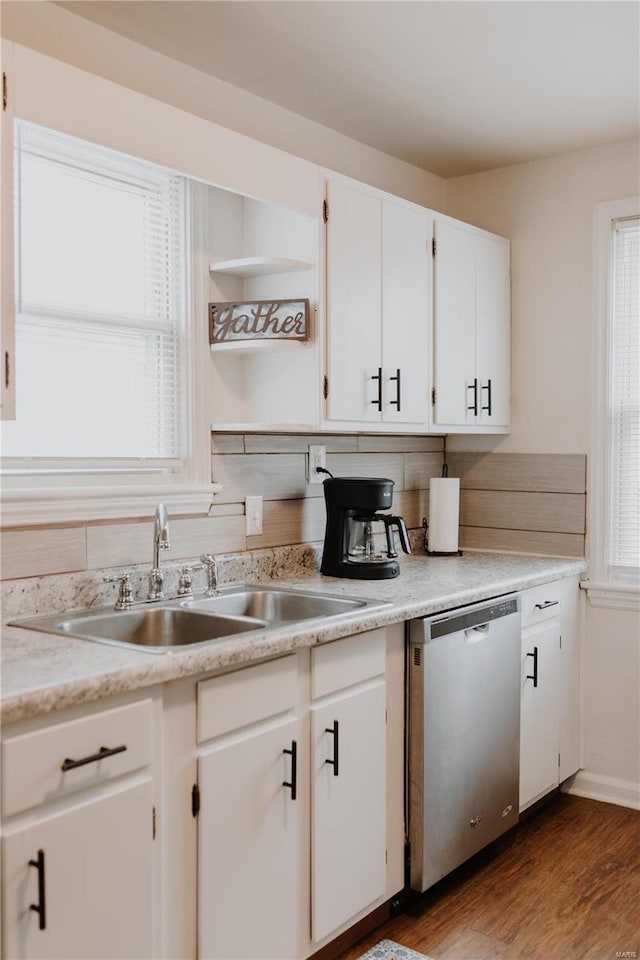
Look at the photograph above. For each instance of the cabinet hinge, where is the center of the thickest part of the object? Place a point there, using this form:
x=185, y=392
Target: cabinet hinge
x=385, y=718
x=386, y=856
x=433, y=247
x=325, y=210
x=561, y=642
x=434, y=396
x=558, y=759
x=5, y=91
x=195, y=800
x=153, y=823
x=325, y=387
x=7, y=369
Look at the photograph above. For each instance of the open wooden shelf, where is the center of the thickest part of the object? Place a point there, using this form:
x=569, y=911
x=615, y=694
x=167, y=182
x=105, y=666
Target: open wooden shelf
x=258, y=266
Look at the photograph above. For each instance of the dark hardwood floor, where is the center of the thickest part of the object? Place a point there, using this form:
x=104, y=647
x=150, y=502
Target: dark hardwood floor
x=563, y=885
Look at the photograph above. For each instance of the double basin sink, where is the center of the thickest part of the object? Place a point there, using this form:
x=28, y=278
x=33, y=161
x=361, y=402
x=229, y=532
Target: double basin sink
x=161, y=626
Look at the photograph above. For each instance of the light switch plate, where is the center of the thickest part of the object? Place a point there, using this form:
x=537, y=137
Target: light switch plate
x=253, y=516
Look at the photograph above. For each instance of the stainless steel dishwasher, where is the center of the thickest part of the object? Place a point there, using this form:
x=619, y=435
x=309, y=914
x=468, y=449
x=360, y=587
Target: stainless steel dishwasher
x=464, y=734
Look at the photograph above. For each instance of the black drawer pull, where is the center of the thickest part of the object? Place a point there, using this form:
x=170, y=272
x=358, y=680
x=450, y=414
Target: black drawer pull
x=533, y=676
x=41, y=906
x=547, y=603
x=474, y=406
x=293, y=784
x=378, y=376
x=100, y=755
x=336, y=747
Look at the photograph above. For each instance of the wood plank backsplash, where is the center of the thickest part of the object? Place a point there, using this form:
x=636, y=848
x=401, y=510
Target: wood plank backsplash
x=528, y=503
x=531, y=503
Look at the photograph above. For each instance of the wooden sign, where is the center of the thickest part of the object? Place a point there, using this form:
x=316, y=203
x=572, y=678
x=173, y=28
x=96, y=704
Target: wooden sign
x=259, y=320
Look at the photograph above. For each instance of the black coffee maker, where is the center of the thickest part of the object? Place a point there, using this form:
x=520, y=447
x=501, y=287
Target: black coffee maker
x=359, y=541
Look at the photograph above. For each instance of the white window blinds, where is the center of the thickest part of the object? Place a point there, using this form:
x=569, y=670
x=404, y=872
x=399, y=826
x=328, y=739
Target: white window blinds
x=624, y=480
x=101, y=306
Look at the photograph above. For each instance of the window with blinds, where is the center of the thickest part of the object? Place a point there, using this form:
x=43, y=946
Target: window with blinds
x=624, y=479
x=100, y=311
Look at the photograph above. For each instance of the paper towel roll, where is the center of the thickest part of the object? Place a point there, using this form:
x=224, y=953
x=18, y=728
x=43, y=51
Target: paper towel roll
x=444, y=508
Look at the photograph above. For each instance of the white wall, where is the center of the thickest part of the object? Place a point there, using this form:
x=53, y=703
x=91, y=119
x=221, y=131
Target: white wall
x=67, y=37
x=547, y=210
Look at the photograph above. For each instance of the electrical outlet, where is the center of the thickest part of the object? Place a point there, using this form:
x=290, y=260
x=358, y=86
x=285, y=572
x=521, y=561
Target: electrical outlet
x=253, y=516
x=317, y=458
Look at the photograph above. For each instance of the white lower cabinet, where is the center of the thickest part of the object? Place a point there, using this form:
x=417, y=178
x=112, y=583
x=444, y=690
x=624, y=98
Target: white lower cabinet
x=539, y=730
x=550, y=685
x=79, y=871
x=88, y=870
x=295, y=820
x=250, y=846
x=349, y=809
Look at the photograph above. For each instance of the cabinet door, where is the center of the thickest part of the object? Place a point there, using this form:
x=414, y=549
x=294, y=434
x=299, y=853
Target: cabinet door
x=569, y=676
x=7, y=308
x=493, y=330
x=405, y=314
x=348, y=836
x=539, y=711
x=96, y=881
x=353, y=303
x=454, y=315
x=252, y=893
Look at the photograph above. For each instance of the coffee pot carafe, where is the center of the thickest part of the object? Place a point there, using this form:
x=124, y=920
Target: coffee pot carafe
x=359, y=541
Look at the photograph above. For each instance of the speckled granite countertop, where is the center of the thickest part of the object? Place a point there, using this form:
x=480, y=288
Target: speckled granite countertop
x=43, y=672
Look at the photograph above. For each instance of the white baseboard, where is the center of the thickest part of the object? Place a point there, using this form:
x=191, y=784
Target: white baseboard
x=625, y=793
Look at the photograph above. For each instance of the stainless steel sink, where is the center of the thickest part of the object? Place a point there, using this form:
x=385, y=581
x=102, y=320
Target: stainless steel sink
x=155, y=629
x=275, y=606
x=165, y=625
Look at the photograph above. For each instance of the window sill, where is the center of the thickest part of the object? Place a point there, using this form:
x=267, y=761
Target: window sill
x=43, y=507
x=615, y=596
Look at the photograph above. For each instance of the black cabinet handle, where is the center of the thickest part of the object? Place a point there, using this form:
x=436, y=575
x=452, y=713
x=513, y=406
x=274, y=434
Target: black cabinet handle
x=103, y=752
x=293, y=783
x=474, y=406
x=378, y=377
x=336, y=747
x=396, y=402
x=41, y=907
x=547, y=603
x=488, y=389
x=533, y=676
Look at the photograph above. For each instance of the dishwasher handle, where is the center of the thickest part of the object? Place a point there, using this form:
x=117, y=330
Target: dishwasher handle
x=477, y=633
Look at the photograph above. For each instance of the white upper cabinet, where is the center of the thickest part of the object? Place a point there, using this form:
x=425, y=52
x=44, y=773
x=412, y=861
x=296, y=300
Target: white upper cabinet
x=7, y=379
x=377, y=362
x=471, y=326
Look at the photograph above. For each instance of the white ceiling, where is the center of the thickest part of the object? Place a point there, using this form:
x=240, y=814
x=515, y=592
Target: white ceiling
x=449, y=85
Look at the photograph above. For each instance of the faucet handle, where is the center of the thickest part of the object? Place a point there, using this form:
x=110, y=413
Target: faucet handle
x=125, y=591
x=212, y=573
x=185, y=583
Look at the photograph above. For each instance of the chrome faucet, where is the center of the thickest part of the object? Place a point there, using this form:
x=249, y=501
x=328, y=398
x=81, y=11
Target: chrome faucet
x=212, y=573
x=160, y=542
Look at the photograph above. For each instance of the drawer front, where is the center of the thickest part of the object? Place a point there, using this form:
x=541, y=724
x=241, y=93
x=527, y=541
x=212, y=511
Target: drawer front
x=541, y=603
x=46, y=764
x=236, y=699
x=343, y=663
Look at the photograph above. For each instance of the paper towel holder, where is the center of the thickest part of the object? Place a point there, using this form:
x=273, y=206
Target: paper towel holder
x=435, y=553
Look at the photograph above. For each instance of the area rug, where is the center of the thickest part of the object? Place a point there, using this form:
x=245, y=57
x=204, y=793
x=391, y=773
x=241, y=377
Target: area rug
x=390, y=950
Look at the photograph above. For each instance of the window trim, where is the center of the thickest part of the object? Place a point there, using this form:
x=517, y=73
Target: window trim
x=603, y=588
x=36, y=501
